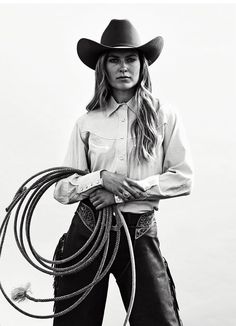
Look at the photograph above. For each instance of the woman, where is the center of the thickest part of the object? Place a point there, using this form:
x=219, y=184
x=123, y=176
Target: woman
x=134, y=150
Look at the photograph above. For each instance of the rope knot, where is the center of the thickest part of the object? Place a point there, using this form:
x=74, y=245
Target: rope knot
x=20, y=294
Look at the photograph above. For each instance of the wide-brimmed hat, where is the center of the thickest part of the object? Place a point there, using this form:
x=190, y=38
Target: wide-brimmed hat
x=119, y=34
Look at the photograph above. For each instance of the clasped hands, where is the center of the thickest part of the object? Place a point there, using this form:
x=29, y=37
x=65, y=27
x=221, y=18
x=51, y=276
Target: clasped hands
x=116, y=184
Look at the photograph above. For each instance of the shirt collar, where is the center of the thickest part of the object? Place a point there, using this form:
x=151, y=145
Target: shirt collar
x=112, y=105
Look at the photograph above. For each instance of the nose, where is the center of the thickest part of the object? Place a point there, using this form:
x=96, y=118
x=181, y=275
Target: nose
x=123, y=66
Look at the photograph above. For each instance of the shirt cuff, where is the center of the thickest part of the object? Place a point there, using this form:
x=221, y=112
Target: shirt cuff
x=149, y=182
x=87, y=181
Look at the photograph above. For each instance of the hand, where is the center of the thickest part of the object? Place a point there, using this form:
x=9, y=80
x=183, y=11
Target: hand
x=101, y=198
x=119, y=185
x=142, y=194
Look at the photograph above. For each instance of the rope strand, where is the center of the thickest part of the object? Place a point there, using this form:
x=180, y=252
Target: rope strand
x=29, y=196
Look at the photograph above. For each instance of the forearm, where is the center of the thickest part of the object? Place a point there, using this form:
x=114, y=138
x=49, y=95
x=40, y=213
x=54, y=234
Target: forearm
x=162, y=186
x=167, y=185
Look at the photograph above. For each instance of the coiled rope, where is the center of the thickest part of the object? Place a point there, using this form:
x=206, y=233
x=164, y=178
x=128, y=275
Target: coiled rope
x=26, y=200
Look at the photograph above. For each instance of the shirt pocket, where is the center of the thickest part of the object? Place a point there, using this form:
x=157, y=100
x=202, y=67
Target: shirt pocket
x=101, y=149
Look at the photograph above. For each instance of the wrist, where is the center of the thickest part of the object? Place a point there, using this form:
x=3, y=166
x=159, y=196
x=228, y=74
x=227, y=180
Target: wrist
x=103, y=175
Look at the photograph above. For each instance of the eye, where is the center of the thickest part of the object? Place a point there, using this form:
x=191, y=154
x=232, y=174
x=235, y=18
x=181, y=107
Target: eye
x=131, y=59
x=113, y=60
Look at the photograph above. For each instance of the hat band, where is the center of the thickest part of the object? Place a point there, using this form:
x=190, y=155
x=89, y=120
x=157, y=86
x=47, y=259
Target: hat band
x=122, y=45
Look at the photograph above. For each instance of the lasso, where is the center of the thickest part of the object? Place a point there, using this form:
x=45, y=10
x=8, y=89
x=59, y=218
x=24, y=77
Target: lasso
x=29, y=194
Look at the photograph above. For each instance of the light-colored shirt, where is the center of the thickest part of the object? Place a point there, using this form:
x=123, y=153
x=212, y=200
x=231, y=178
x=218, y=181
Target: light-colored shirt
x=101, y=139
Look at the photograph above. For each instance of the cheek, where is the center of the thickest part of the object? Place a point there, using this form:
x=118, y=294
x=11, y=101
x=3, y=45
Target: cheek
x=110, y=72
x=137, y=72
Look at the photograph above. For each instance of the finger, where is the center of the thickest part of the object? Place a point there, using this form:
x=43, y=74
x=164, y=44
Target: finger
x=125, y=195
x=94, y=201
x=99, y=201
x=92, y=198
x=94, y=204
x=96, y=196
x=140, y=192
x=99, y=196
x=100, y=206
x=93, y=194
x=135, y=194
x=135, y=184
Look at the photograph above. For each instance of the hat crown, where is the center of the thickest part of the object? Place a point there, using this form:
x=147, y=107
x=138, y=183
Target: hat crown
x=120, y=32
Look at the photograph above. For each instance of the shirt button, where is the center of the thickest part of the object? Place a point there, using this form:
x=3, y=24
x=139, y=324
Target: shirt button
x=121, y=158
x=123, y=120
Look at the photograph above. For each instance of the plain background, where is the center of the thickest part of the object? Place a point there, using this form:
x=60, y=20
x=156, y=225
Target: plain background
x=44, y=88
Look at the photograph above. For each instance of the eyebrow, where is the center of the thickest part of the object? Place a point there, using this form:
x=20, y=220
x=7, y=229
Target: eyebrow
x=117, y=56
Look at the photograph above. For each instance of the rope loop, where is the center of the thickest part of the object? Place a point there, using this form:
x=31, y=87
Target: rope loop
x=25, y=202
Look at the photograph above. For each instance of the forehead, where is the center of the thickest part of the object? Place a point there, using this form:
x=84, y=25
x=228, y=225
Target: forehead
x=122, y=52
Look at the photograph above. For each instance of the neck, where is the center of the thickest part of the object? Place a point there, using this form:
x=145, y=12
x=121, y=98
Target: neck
x=123, y=96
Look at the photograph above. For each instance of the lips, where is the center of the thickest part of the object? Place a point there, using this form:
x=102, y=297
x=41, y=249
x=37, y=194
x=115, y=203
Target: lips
x=123, y=77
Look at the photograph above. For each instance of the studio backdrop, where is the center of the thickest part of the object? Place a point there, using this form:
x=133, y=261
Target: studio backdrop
x=44, y=87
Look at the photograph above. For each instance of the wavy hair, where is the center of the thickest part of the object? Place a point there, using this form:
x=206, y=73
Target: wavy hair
x=144, y=127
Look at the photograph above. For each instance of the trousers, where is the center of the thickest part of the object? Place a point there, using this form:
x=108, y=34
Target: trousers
x=155, y=301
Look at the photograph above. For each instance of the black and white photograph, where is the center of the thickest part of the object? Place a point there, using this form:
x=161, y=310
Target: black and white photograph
x=118, y=163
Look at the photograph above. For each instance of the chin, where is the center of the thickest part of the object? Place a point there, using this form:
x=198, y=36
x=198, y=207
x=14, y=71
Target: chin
x=125, y=87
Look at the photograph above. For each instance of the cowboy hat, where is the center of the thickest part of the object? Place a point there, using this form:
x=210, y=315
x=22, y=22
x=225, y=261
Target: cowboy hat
x=119, y=34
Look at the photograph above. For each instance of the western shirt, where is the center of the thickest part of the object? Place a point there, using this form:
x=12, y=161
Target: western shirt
x=101, y=140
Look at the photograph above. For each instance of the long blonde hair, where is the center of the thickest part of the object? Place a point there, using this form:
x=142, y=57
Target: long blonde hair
x=144, y=127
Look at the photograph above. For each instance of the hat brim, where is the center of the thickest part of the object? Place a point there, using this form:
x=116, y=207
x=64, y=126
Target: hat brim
x=89, y=51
